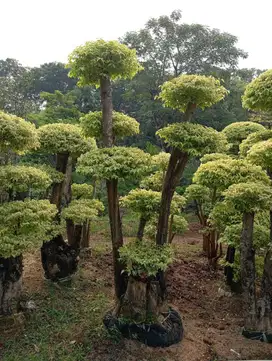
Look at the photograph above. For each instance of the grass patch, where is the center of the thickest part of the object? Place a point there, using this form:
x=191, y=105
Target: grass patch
x=67, y=321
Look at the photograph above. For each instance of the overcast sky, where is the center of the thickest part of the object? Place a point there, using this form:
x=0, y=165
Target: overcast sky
x=35, y=31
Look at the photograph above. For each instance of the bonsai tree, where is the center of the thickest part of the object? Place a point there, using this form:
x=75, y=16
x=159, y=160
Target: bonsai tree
x=24, y=222
x=63, y=141
x=185, y=93
x=237, y=132
x=99, y=63
x=78, y=214
x=113, y=164
x=210, y=180
x=249, y=198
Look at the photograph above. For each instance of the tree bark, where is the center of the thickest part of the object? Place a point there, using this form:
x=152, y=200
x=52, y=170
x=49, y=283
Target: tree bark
x=170, y=231
x=70, y=230
x=116, y=236
x=177, y=163
x=247, y=255
x=141, y=228
x=67, y=189
x=106, y=102
x=11, y=271
x=85, y=238
x=57, y=190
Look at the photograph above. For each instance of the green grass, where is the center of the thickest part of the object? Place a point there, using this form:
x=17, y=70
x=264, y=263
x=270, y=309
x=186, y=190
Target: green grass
x=67, y=320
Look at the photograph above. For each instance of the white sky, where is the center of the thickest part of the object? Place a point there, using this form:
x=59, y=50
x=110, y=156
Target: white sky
x=35, y=31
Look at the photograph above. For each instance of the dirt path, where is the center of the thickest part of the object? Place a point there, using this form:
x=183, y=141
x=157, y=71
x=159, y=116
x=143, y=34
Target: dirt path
x=212, y=321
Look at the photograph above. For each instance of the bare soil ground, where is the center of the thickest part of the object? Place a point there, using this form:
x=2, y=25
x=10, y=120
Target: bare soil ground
x=212, y=320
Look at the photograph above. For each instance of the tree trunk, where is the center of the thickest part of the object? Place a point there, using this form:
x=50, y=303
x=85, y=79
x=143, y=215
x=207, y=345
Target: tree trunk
x=11, y=271
x=106, y=102
x=116, y=236
x=170, y=231
x=141, y=228
x=247, y=255
x=67, y=189
x=265, y=302
x=70, y=231
x=230, y=256
x=57, y=190
x=177, y=163
x=206, y=240
x=85, y=238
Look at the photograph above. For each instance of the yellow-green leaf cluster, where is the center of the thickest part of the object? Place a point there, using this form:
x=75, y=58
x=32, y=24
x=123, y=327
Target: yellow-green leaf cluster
x=193, y=139
x=16, y=134
x=253, y=139
x=23, y=178
x=24, y=224
x=102, y=59
x=258, y=94
x=261, y=154
x=64, y=138
x=114, y=163
x=123, y=125
x=249, y=197
x=80, y=191
x=145, y=258
x=153, y=181
x=82, y=210
x=214, y=156
x=203, y=91
x=237, y=132
x=161, y=161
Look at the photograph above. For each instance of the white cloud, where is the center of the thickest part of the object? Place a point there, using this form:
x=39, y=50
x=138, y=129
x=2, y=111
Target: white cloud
x=35, y=31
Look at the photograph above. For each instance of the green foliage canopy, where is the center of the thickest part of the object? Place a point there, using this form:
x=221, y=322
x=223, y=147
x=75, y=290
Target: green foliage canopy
x=153, y=181
x=114, y=163
x=203, y=91
x=161, y=160
x=258, y=94
x=23, y=178
x=24, y=225
x=253, y=139
x=249, y=197
x=101, y=59
x=145, y=258
x=123, y=125
x=64, y=138
x=214, y=156
x=82, y=210
x=80, y=191
x=261, y=154
x=220, y=174
x=16, y=134
x=194, y=139
x=237, y=132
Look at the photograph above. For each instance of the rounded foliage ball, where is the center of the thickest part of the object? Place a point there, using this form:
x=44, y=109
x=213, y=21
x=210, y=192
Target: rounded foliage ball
x=16, y=134
x=253, y=139
x=258, y=94
x=202, y=91
x=64, y=138
x=261, y=154
x=102, y=59
x=193, y=139
x=123, y=125
x=82, y=210
x=115, y=163
x=82, y=191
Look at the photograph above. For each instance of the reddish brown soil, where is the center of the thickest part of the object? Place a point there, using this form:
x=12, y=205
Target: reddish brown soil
x=212, y=321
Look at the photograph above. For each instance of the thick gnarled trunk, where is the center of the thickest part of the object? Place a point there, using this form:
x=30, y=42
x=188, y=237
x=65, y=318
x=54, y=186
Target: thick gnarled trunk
x=247, y=255
x=57, y=189
x=85, y=238
x=11, y=270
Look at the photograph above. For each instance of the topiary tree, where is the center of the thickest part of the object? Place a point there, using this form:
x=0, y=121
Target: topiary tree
x=253, y=139
x=186, y=140
x=237, y=132
x=79, y=213
x=249, y=198
x=63, y=141
x=113, y=164
x=210, y=180
x=99, y=63
x=24, y=222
